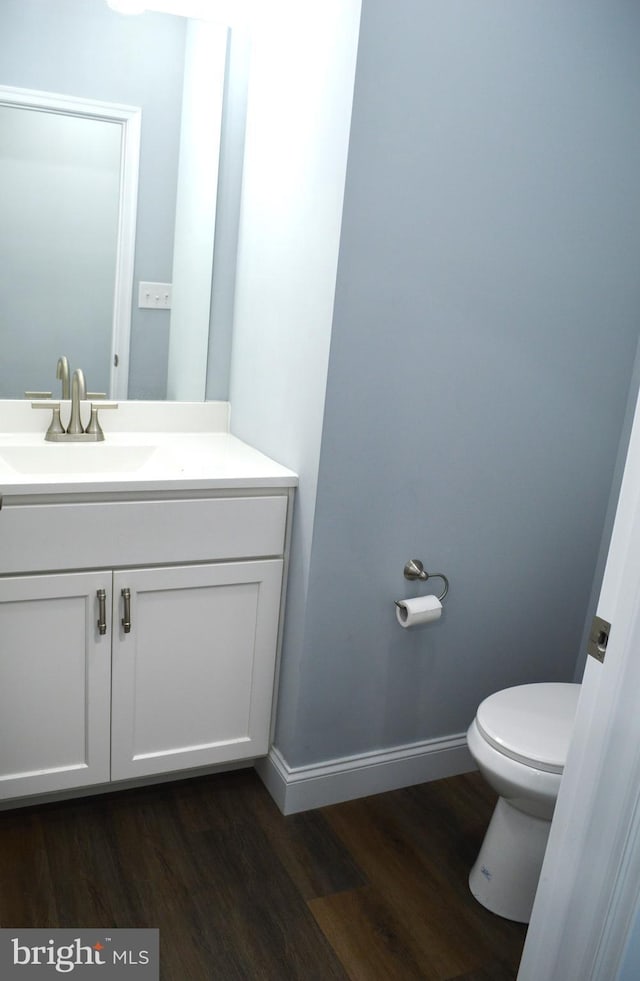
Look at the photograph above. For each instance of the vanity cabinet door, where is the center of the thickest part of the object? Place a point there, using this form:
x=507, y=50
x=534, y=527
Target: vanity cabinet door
x=192, y=679
x=55, y=672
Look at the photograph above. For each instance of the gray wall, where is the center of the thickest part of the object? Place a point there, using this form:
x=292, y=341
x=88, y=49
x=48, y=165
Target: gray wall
x=629, y=968
x=485, y=327
x=80, y=47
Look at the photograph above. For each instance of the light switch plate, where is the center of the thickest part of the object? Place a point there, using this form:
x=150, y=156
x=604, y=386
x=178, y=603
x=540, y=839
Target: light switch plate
x=154, y=296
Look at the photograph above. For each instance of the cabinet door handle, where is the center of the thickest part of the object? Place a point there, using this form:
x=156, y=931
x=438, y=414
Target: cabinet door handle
x=102, y=611
x=126, y=620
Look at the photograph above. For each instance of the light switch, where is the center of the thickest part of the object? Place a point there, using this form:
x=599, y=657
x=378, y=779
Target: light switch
x=154, y=296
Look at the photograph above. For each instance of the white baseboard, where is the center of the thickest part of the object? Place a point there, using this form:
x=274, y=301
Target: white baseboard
x=304, y=787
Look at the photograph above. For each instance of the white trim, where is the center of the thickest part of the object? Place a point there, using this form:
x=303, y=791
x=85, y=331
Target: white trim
x=129, y=119
x=57, y=102
x=304, y=787
x=123, y=288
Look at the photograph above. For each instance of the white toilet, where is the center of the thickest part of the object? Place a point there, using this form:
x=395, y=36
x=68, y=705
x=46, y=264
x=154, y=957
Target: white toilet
x=519, y=739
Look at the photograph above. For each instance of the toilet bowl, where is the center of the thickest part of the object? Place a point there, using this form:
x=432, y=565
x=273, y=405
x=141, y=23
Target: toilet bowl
x=519, y=740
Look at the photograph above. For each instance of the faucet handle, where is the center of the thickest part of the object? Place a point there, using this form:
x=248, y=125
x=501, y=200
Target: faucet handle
x=96, y=395
x=37, y=395
x=94, y=427
x=105, y=405
x=45, y=403
x=55, y=426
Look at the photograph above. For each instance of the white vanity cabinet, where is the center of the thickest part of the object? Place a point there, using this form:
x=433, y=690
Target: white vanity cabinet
x=55, y=684
x=181, y=673
x=192, y=680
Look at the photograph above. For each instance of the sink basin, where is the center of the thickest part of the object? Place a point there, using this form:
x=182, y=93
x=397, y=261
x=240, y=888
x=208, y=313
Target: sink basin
x=76, y=458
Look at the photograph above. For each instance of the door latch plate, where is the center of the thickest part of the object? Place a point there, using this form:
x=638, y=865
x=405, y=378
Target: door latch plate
x=598, y=638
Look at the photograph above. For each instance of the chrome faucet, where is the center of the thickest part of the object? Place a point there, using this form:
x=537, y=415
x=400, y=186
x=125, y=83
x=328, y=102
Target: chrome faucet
x=78, y=395
x=75, y=431
x=62, y=374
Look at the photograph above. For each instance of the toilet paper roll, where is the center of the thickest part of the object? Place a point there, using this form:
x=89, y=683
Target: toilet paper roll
x=419, y=609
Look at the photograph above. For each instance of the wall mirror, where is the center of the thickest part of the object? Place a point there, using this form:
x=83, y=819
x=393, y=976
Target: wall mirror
x=110, y=131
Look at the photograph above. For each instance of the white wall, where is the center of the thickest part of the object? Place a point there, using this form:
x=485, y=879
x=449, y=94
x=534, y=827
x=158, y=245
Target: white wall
x=205, y=53
x=298, y=116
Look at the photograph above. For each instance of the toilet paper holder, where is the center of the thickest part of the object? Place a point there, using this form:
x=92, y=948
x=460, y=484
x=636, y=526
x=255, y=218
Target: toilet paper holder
x=414, y=569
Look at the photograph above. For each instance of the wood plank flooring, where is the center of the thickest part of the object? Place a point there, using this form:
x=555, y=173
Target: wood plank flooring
x=370, y=890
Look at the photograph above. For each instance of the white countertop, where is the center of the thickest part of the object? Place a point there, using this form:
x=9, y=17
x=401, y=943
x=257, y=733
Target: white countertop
x=158, y=455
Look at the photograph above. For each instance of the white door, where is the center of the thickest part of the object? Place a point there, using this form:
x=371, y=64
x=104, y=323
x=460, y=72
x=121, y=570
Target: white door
x=55, y=670
x=590, y=883
x=193, y=677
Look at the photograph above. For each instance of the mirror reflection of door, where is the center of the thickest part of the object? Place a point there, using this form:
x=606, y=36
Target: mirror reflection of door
x=171, y=72
x=58, y=245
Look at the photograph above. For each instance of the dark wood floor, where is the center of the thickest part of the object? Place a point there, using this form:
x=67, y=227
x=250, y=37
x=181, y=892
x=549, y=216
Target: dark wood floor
x=372, y=890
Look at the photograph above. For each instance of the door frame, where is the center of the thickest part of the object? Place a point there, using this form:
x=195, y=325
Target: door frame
x=129, y=118
x=589, y=887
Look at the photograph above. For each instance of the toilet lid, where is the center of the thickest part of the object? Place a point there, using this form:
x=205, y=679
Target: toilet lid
x=531, y=723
